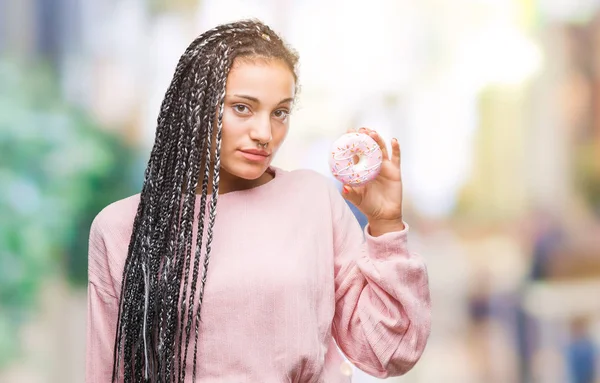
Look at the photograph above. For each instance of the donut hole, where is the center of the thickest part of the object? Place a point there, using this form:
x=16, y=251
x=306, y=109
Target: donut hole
x=355, y=159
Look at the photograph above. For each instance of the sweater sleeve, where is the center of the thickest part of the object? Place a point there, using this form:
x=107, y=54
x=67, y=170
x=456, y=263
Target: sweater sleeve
x=382, y=304
x=102, y=311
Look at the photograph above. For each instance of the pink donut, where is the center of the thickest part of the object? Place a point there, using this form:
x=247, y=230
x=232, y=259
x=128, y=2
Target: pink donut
x=343, y=152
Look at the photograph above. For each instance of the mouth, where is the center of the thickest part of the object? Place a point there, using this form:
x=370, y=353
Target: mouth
x=255, y=155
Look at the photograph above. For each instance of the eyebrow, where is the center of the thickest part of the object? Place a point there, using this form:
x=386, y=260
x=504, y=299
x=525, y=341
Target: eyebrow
x=256, y=100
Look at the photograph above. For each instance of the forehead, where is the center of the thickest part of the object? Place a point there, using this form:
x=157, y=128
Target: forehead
x=265, y=79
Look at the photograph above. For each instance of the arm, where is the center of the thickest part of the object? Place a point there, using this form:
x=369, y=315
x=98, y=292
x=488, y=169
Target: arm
x=102, y=311
x=382, y=313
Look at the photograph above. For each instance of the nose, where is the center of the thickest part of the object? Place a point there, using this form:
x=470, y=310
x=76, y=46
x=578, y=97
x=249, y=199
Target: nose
x=261, y=129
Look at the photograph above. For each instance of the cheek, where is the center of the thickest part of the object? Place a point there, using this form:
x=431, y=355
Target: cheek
x=282, y=131
x=232, y=129
x=280, y=134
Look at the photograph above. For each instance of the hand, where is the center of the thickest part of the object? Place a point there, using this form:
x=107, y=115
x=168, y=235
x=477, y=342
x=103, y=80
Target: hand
x=381, y=199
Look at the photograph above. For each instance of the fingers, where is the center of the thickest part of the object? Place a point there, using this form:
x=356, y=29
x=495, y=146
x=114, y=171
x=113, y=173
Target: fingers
x=352, y=194
x=395, y=152
x=374, y=135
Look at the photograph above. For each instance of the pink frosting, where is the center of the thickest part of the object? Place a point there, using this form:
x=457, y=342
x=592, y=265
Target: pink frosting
x=341, y=160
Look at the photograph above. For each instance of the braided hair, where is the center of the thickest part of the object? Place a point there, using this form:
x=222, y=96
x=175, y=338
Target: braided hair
x=156, y=307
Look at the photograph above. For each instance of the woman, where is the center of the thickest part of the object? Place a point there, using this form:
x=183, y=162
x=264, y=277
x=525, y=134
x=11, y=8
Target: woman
x=291, y=276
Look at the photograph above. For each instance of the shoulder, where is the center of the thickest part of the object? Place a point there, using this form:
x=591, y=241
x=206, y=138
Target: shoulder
x=117, y=216
x=306, y=183
x=308, y=179
x=109, y=236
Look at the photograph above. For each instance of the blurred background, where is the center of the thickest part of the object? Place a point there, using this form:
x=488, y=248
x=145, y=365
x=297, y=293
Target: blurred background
x=496, y=104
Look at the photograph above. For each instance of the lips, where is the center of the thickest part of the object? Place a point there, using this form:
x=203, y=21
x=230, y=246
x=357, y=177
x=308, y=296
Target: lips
x=255, y=155
x=257, y=152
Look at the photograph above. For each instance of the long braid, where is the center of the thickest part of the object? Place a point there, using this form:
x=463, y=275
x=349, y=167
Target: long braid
x=168, y=193
x=131, y=270
x=208, y=110
x=167, y=196
x=167, y=313
x=157, y=295
x=183, y=252
x=173, y=330
x=214, y=96
x=186, y=301
x=169, y=302
x=221, y=82
x=140, y=222
x=171, y=198
x=167, y=164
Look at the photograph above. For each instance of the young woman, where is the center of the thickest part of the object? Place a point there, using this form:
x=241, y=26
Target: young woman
x=268, y=283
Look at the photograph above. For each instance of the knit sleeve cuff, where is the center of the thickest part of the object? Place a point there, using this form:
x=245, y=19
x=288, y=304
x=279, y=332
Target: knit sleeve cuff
x=387, y=245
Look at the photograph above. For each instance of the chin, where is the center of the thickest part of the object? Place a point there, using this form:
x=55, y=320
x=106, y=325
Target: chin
x=248, y=172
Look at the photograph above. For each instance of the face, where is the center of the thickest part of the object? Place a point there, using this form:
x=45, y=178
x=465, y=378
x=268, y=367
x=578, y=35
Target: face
x=258, y=100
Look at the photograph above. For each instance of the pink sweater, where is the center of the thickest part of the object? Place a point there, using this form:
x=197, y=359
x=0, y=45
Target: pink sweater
x=290, y=278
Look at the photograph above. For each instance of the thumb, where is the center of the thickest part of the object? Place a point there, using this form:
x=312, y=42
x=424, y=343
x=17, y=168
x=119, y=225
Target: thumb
x=352, y=194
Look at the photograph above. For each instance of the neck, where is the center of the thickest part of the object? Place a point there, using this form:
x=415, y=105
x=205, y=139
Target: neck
x=229, y=183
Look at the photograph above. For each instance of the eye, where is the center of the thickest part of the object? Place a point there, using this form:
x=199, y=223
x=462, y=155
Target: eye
x=281, y=114
x=240, y=108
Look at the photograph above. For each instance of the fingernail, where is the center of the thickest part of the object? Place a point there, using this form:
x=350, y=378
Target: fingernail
x=344, y=190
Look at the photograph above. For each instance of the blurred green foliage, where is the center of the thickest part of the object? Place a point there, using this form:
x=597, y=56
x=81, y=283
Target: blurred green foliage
x=58, y=169
x=166, y=6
